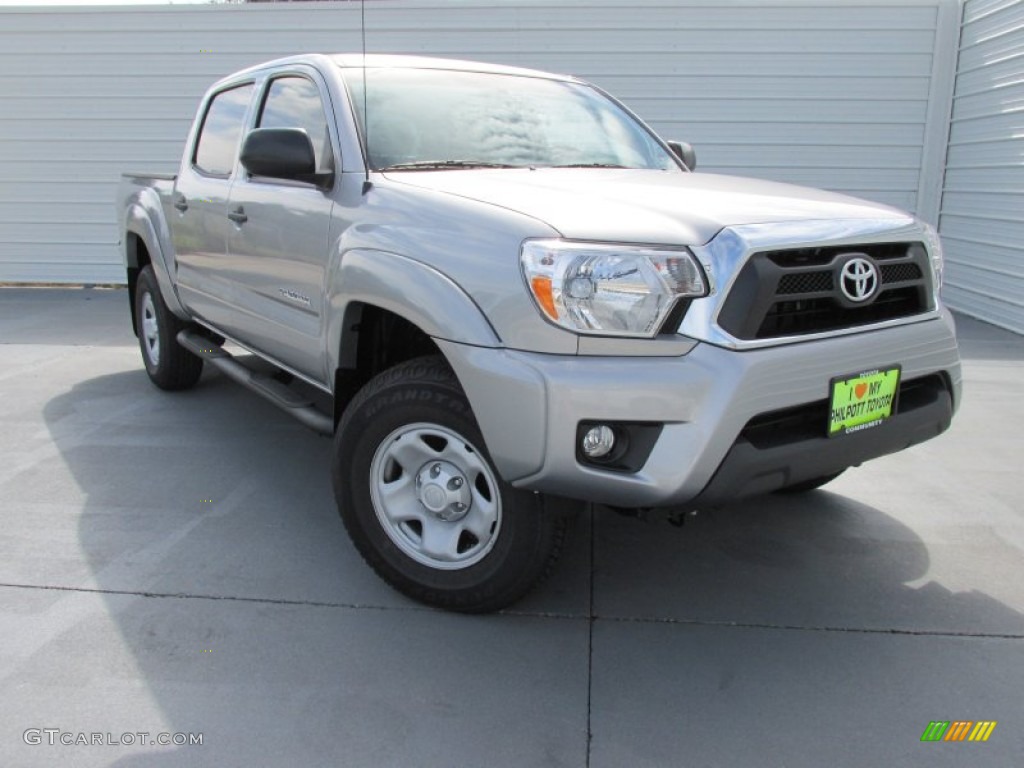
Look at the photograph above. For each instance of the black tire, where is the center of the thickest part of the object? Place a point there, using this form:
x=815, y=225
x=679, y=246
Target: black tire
x=810, y=485
x=169, y=365
x=421, y=402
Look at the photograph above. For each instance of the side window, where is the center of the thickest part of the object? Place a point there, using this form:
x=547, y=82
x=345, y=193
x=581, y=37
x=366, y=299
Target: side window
x=294, y=102
x=222, y=127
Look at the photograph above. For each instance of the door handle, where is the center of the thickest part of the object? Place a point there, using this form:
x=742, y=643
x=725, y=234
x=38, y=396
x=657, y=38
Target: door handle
x=238, y=215
x=181, y=203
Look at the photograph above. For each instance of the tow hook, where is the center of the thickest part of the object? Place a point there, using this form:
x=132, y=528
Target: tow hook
x=675, y=517
x=679, y=517
x=642, y=514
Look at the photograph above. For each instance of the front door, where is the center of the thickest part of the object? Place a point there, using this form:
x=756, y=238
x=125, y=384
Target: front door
x=278, y=235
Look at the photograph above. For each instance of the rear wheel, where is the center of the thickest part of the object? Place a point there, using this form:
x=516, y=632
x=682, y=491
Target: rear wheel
x=423, y=503
x=169, y=365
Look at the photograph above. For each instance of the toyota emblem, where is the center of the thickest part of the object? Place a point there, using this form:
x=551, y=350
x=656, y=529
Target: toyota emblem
x=858, y=279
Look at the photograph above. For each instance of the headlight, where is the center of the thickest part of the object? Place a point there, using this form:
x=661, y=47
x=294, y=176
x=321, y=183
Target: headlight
x=620, y=290
x=934, y=243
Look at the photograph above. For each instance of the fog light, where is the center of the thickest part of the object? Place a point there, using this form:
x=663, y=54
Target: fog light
x=598, y=441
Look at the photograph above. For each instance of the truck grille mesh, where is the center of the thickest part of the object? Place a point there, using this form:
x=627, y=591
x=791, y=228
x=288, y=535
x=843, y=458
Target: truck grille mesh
x=796, y=292
x=807, y=282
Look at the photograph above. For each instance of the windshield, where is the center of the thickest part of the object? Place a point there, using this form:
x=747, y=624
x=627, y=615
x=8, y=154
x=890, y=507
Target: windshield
x=440, y=119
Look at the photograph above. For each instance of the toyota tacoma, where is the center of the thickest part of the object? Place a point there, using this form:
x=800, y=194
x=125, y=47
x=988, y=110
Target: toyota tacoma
x=503, y=295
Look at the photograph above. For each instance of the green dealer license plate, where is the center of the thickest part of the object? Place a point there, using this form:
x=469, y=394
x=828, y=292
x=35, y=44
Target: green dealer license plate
x=862, y=401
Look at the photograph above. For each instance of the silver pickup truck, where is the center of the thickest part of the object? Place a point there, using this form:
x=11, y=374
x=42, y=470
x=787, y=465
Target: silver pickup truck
x=503, y=294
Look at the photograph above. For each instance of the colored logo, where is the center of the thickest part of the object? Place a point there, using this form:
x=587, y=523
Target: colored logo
x=858, y=279
x=959, y=730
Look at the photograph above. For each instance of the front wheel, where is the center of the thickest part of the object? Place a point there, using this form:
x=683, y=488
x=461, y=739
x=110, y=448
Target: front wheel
x=423, y=503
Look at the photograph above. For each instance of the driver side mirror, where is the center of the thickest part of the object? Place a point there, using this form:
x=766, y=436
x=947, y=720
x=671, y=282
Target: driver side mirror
x=282, y=153
x=684, y=152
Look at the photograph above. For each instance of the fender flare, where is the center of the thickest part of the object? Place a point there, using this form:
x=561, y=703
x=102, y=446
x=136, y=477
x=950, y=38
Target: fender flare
x=415, y=291
x=139, y=221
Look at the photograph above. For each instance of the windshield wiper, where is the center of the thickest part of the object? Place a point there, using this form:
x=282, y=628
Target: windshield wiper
x=431, y=165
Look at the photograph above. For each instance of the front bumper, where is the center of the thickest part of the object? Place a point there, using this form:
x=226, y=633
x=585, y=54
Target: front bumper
x=529, y=405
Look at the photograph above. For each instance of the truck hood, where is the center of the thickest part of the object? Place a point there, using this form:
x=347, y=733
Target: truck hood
x=643, y=206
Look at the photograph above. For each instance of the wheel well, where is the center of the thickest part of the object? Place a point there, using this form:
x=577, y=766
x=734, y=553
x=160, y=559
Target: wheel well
x=374, y=340
x=136, y=257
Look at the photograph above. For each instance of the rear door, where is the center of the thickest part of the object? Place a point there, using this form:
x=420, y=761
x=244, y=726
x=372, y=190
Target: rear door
x=199, y=222
x=278, y=236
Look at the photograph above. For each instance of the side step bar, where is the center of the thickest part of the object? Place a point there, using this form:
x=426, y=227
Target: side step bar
x=262, y=384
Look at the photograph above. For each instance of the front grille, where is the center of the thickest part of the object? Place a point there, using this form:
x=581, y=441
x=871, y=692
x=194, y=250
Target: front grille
x=811, y=257
x=795, y=318
x=806, y=282
x=900, y=273
x=796, y=292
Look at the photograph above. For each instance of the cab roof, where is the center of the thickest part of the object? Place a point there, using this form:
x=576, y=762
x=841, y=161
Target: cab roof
x=382, y=61
x=424, y=62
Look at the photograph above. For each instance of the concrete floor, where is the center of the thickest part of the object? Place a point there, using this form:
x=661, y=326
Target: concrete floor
x=174, y=563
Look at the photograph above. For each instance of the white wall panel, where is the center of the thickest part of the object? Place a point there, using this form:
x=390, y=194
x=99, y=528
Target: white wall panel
x=850, y=95
x=982, y=218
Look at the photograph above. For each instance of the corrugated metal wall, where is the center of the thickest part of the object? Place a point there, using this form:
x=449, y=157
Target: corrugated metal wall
x=845, y=95
x=982, y=220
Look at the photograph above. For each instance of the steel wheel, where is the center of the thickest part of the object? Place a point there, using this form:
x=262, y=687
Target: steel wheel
x=150, y=330
x=423, y=501
x=434, y=496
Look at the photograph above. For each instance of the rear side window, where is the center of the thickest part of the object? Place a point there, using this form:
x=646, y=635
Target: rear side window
x=222, y=127
x=294, y=102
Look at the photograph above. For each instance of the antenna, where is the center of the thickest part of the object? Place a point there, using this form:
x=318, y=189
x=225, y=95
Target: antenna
x=366, y=117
